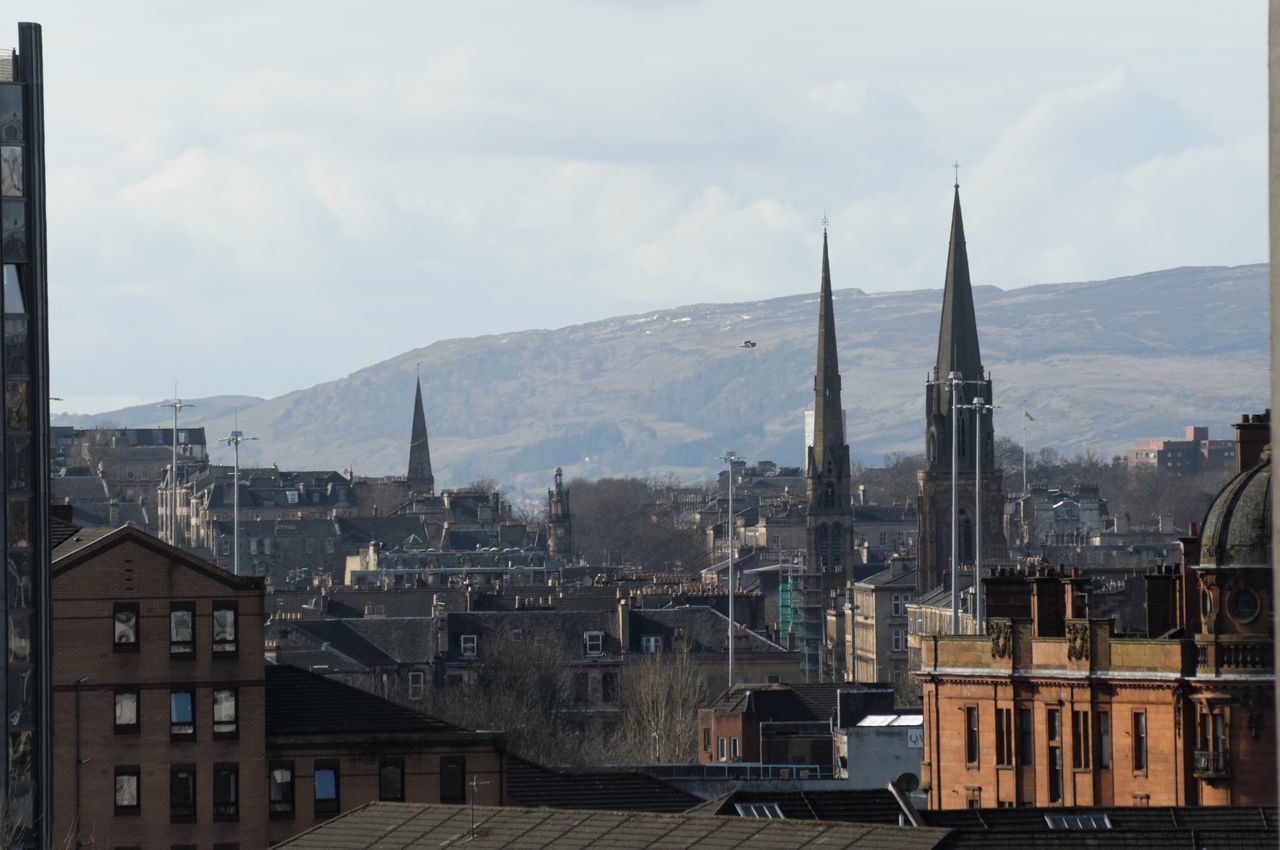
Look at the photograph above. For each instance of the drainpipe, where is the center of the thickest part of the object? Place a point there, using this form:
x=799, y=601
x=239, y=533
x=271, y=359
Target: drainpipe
x=79, y=761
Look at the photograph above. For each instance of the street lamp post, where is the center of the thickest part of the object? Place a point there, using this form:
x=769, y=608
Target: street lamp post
x=234, y=440
x=729, y=458
x=177, y=404
x=979, y=407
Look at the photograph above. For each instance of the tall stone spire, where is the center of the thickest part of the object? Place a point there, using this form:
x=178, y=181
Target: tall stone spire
x=958, y=336
x=829, y=519
x=421, y=481
x=828, y=415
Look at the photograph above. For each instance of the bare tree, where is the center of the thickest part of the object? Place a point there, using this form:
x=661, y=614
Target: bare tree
x=661, y=696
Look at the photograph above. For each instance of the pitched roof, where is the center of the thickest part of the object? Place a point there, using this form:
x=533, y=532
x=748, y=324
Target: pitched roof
x=405, y=639
x=958, y=335
x=858, y=805
x=810, y=702
x=417, y=826
x=345, y=640
x=539, y=787
x=86, y=545
x=302, y=703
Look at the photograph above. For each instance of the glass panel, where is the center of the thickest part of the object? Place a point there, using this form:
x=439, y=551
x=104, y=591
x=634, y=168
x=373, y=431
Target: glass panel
x=21, y=693
x=326, y=784
x=11, y=171
x=19, y=756
x=13, y=301
x=224, y=630
x=126, y=709
x=17, y=407
x=16, y=359
x=18, y=463
x=19, y=584
x=11, y=113
x=19, y=638
x=15, y=230
x=126, y=626
x=19, y=522
x=127, y=791
x=22, y=804
x=224, y=711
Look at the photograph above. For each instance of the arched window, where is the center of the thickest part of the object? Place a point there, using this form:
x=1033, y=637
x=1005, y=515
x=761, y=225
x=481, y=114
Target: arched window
x=837, y=543
x=829, y=496
x=823, y=544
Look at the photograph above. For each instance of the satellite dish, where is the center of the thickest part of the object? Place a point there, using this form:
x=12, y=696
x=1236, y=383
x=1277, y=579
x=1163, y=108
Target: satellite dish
x=908, y=782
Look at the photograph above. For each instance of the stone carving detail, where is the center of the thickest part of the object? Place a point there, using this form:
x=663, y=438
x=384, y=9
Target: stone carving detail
x=1078, y=641
x=1001, y=638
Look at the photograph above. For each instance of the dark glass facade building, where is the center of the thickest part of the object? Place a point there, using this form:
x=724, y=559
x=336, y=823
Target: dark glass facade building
x=24, y=369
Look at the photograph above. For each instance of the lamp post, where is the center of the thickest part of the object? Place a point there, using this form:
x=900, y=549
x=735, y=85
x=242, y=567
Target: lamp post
x=729, y=458
x=953, y=382
x=177, y=404
x=979, y=407
x=234, y=440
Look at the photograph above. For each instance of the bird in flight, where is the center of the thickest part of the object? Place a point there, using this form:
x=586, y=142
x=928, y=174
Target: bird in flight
x=746, y=343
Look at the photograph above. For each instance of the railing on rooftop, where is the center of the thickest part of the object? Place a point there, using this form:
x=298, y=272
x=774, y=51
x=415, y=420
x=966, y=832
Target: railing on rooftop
x=739, y=771
x=1212, y=763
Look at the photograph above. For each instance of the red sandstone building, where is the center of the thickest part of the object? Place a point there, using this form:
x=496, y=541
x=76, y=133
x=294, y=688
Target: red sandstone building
x=1053, y=708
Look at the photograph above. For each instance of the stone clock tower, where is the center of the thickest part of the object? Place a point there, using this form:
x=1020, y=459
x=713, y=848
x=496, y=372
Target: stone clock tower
x=559, y=528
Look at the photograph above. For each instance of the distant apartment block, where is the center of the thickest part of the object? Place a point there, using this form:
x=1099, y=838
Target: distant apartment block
x=1194, y=454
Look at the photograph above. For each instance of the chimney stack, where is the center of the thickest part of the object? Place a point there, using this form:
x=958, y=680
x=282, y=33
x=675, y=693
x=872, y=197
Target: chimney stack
x=1253, y=433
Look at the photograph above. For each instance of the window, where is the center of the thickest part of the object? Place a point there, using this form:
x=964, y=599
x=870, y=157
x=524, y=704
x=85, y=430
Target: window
x=971, y=735
x=226, y=546
x=280, y=789
x=593, y=643
x=1053, y=727
x=733, y=748
x=1080, y=749
x=391, y=780
x=226, y=792
x=126, y=712
x=182, y=793
x=706, y=739
x=899, y=640
x=1104, y=739
x=468, y=646
x=1004, y=737
x=182, y=630
x=224, y=628
x=900, y=601
x=609, y=687
x=416, y=684
x=128, y=782
x=1139, y=742
x=326, y=788
x=453, y=779
x=225, y=718
x=759, y=810
x=973, y=798
x=182, y=714
x=651, y=643
x=126, y=627
x=721, y=752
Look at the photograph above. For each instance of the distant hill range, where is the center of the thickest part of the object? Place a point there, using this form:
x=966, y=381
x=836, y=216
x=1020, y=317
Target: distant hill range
x=1097, y=364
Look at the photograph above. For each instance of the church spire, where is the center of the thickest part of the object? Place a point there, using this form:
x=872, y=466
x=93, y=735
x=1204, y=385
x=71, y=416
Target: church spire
x=421, y=481
x=958, y=336
x=828, y=419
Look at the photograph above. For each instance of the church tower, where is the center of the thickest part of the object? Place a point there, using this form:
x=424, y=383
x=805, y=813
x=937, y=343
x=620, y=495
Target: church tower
x=957, y=353
x=559, y=527
x=829, y=522
x=421, y=481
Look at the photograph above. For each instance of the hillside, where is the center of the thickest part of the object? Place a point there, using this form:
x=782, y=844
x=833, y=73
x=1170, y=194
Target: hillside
x=1098, y=364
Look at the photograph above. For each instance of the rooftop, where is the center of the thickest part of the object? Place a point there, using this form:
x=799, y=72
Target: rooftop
x=302, y=703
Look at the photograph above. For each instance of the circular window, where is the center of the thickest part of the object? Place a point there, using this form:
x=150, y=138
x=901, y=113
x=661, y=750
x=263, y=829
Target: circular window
x=1243, y=606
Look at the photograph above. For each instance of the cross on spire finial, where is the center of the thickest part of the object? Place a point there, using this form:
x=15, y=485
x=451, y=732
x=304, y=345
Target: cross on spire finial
x=956, y=166
x=824, y=220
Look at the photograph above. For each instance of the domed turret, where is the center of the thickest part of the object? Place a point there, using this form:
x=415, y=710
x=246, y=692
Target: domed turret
x=1237, y=528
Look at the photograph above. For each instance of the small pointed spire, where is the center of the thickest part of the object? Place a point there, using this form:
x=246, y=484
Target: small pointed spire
x=958, y=349
x=828, y=421
x=421, y=480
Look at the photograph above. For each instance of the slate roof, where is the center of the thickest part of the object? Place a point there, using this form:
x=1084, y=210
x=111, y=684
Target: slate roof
x=704, y=627
x=892, y=577
x=789, y=703
x=323, y=661
x=1110, y=839
x=302, y=703
x=1208, y=818
x=60, y=531
x=869, y=805
x=405, y=639
x=416, y=826
x=337, y=634
x=539, y=787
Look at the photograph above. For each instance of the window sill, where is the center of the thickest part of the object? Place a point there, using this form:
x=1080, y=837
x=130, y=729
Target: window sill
x=1006, y=767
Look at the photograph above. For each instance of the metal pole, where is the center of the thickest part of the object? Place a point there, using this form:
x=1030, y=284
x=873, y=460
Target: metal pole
x=173, y=484
x=235, y=508
x=979, y=608
x=732, y=529
x=954, y=380
x=1024, y=452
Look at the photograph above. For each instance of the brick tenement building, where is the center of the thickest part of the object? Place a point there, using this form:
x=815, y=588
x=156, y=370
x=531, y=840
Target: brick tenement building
x=331, y=747
x=158, y=693
x=1053, y=708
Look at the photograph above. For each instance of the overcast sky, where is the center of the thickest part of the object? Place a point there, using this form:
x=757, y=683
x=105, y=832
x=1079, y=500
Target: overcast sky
x=257, y=197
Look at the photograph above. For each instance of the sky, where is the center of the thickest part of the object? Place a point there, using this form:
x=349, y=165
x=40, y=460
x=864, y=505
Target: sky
x=252, y=197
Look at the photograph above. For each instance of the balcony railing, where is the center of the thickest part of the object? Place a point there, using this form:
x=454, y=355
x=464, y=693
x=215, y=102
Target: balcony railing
x=1211, y=764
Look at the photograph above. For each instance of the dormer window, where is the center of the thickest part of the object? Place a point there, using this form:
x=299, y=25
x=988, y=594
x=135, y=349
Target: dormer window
x=468, y=644
x=593, y=643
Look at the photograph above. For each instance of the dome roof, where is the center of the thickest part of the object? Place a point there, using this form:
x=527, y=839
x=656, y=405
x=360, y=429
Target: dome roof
x=1237, y=529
